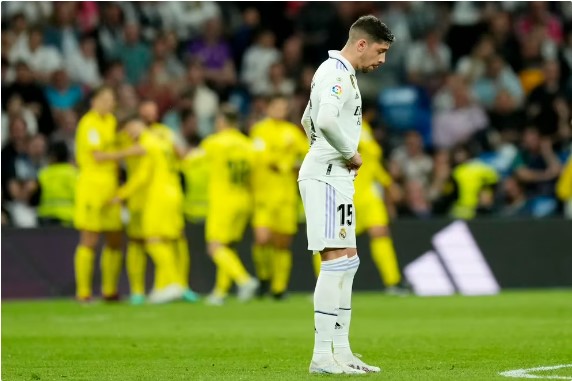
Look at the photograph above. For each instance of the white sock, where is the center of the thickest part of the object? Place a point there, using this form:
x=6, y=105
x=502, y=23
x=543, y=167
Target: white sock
x=342, y=331
x=326, y=304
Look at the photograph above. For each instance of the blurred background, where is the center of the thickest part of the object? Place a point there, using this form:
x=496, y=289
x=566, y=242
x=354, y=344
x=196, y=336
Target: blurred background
x=464, y=82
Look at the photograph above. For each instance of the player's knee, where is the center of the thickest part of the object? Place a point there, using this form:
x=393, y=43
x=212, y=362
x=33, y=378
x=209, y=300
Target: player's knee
x=262, y=236
x=378, y=231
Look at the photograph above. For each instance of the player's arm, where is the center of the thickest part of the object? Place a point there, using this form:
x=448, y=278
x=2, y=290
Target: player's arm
x=332, y=99
x=307, y=122
x=137, y=181
x=134, y=150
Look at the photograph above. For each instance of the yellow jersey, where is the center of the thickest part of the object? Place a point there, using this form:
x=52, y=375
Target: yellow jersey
x=372, y=171
x=281, y=147
x=57, y=184
x=564, y=184
x=95, y=132
x=471, y=178
x=195, y=169
x=230, y=156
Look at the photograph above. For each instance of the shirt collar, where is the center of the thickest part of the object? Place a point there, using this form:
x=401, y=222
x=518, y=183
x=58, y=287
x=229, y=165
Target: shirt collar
x=337, y=55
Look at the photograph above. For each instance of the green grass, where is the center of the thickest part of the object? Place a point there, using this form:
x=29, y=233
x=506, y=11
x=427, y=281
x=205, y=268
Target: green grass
x=453, y=338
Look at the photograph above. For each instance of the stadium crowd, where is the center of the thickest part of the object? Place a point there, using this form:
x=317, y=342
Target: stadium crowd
x=463, y=81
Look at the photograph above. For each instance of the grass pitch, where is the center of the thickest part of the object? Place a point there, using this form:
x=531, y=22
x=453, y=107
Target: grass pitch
x=411, y=338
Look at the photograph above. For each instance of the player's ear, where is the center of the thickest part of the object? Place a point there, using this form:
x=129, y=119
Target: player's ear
x=361, y=45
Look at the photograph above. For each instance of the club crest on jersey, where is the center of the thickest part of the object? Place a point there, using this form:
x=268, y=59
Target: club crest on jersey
x=337, y=90
x=342, y=233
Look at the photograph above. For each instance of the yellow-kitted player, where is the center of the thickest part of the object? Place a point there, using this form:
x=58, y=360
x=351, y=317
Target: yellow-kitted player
x=281, y=147
x=97, y=183
x=136, y=260
x=156, y=178
x=231, y=157
x=195, y=169
x=371, y=212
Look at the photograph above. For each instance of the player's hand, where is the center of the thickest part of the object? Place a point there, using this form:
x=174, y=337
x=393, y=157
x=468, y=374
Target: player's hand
x=114, y=201
x=355, y=162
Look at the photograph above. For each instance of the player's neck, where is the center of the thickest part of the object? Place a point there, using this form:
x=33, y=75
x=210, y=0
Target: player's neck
x=347, y=54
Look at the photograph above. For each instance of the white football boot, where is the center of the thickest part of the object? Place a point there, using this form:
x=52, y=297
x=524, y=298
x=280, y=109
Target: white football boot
x=168, y=294
x=353, y=361
x=248, y=290
x=332, y=367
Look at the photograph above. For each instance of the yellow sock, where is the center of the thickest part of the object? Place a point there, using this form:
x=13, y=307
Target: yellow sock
x=228, y=261
x=385, y=259
x=316, y=262
x=111, y=261
x=262, y=258
x=223, y=283
x=163, y=256
x=136, y=266
x=83, y=263
x=183, y=261
x=282, y=266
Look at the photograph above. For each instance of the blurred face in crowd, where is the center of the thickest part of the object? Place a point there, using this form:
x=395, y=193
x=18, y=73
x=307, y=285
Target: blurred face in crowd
x=60, y=79
x=276, y=72
x=504, y=102
x=88, y=47
x=36, y=39
x=278, y=108
x=500, y=23
x=112, y=14
x=196, y=74
x=413, y=143
x=267, y=39
x=127, y=97
x=19, y=24
x=160, y=48
x=292, y=50
x=149, y=112
x=512, y=189
x=18, y=131
x=551, y=71
x=131, y=33
x=251, y=17
x=37, y=147
x=15, y=105
x=485, y=48
x=213, y=29
x=24, y=74
x=531, y=140
x=460, y=155
x=495, y=65
x=104, y=102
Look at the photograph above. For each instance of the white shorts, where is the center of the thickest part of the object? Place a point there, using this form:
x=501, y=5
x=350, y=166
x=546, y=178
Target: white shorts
x=330, y=214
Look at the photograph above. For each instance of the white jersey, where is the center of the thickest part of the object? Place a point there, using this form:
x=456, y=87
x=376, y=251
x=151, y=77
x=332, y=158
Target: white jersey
x=334, y=83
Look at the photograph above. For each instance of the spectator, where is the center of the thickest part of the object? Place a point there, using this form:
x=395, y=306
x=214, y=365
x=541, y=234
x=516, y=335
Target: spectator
x=63, y=34
x=214, y=53
x=277, y=82
x=505, y=117
x=114, y=75
x=498, y=76
x=110, y=31
x=134, y=54
x=33, y=96
x=163, y=50
x=17, y=109
x=245, y=34
x=536, y=165
x=257, y=61
x=37, y=152
x=504, y=39
x=127, y=101
x=427, y=61
x=539, y=17
x=514, y=202
x=417, y=204
x=83, y=67
x=464, y=121
x=409, y=162
x=189, y=128
x=472, y=67
x=57, y=188
x=157, y=88
x=62, y=94
x=292, y=56
x=542, y=104
x=18, y=33
x=43, y=60
x=66, y=122
x=34, y=12
x=190, y=17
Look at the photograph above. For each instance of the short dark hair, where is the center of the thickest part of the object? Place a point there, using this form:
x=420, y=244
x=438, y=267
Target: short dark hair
x=229, y=113
x=100, y=90
x=59, y=152
x=373, y=29
x=127, y=119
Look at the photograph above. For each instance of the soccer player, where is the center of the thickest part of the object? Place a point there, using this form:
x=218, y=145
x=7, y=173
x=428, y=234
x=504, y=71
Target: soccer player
x=156, y=180
x=332, y=121
x=149, y=113
x=231, y=156
x=97, y=183
x=371, y=211
x=281, y=146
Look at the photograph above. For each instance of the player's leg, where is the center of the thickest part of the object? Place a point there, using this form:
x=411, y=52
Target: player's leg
x=281, y=264
x=136, y=263
x=383, y=254
x=83, y=263
x=183, y=262
x=262, y=248
x=229, y=263
x=111, y=264
x=223, y=283
x=166, y=286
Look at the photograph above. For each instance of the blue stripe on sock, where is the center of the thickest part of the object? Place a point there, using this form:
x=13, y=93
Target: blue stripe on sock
x=325, y=313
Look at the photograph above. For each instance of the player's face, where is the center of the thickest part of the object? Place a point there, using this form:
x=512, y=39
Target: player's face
x=134, y=129
x=149, y=111
x=372, y=55
x=278, y=109
x=105, y=102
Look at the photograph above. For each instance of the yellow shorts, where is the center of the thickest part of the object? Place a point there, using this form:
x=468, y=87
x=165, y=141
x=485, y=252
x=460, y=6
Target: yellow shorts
x=163, y=218
x=226, y=222
x=278, y=217
x=92, y=211
x=370, y=212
